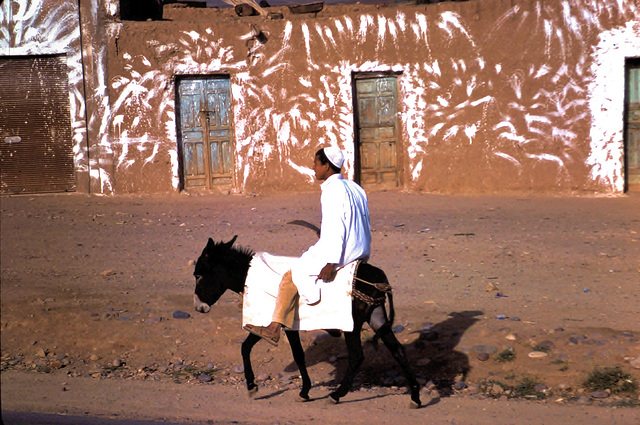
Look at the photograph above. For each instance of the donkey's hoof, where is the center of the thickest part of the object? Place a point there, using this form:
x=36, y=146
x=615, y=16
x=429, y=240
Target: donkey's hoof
x=302, y=398
x=253, y=391
x=415, y=404
x=332, y=399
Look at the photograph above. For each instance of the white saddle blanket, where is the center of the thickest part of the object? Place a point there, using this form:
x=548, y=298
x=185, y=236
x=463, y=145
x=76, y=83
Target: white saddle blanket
x=261, y=289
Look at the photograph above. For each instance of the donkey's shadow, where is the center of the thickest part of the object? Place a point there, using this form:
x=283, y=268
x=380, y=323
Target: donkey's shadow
x=432, y=355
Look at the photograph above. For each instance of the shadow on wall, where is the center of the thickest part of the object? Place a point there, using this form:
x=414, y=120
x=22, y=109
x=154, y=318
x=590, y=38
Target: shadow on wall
x=432, y=356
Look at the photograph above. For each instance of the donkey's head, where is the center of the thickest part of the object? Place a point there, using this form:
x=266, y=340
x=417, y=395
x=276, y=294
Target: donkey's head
x=212, y=274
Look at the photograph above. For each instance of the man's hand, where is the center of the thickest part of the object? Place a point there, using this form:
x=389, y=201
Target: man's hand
x=328, y=272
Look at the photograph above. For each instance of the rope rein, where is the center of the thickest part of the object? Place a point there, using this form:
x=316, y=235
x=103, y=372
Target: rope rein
x=384, y=287
x=380, y=286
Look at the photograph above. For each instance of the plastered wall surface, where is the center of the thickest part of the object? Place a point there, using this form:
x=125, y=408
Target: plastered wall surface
x=40, y=27
x=494, y=95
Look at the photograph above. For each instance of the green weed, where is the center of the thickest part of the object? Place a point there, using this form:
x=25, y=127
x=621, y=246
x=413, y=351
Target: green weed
x=613, y=379
x=527, y=389
x=506, y=355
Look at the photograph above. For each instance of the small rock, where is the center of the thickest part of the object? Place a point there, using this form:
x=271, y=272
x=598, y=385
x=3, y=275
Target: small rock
x=56, y=364
x=496, y=389
x=191, y=263
x=205, y=378
x=483, y=357
x=511, y=337
x=106, y=273
x=398, y=329
x=239, y=369
x=599, y=394
x=263, y=377
x=583, y=399
x=181, y=315
x=117, y=363
x=541, y=388
x=490, y=287
x=317, y=337
x=94, y=357
x=537, y=354
x=460, y=385
x=635, y=363
x=42, y=353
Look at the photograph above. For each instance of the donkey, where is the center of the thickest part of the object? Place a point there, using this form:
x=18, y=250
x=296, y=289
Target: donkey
x=222, y=266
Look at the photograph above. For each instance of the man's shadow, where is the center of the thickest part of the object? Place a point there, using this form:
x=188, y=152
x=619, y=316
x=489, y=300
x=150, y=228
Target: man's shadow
x=432, y=356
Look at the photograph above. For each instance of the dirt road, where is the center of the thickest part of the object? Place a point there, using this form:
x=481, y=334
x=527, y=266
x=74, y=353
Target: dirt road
x=90, y=286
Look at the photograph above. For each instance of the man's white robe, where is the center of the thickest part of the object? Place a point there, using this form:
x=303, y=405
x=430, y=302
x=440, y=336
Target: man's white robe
x=345, y=235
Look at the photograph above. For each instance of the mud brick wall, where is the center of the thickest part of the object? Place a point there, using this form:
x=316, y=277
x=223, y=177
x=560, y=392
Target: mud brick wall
x=493, y=95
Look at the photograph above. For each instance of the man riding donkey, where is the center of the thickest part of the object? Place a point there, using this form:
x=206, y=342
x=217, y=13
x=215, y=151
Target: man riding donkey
x=345, y=236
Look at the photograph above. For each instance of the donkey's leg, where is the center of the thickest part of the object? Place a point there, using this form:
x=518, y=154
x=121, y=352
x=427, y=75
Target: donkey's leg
x=382, y=327
x=247, y=346
x=356, y=357
x=298, y=357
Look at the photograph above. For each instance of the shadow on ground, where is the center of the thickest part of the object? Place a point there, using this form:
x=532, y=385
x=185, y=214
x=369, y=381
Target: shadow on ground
x=432, y=354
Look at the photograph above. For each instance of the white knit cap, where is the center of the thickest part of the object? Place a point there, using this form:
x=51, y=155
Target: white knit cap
x=335, y=156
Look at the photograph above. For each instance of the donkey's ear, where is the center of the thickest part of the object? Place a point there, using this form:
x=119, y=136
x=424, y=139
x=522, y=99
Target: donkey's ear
x=210, y=243
x=230, y=243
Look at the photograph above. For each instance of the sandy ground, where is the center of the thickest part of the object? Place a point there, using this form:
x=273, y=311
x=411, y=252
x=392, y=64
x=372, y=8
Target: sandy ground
x=90, y=286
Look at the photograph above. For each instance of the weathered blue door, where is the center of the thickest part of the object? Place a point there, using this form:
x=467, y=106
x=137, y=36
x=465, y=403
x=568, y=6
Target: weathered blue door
x=205, y=133
x=377, y=131
x=632, y=146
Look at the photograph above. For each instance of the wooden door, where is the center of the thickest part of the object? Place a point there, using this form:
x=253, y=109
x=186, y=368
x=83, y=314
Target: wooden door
x=632, y=134
x=376, y=132
x=205, y=141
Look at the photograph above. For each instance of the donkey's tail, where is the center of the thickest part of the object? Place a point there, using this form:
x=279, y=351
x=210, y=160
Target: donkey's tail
x=390, y=316
x=392, y=310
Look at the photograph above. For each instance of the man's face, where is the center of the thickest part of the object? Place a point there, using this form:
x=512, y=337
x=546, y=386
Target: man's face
x=322, y=171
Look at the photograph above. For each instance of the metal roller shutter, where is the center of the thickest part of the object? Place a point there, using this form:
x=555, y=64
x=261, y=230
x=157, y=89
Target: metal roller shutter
x=36, y=149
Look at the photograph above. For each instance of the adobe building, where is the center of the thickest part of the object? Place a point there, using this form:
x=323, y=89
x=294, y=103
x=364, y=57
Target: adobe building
x=475, y=96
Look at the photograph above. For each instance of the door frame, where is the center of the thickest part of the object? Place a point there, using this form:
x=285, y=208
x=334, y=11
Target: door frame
x=179, y=134
x=357, y=173
x=631, y=62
